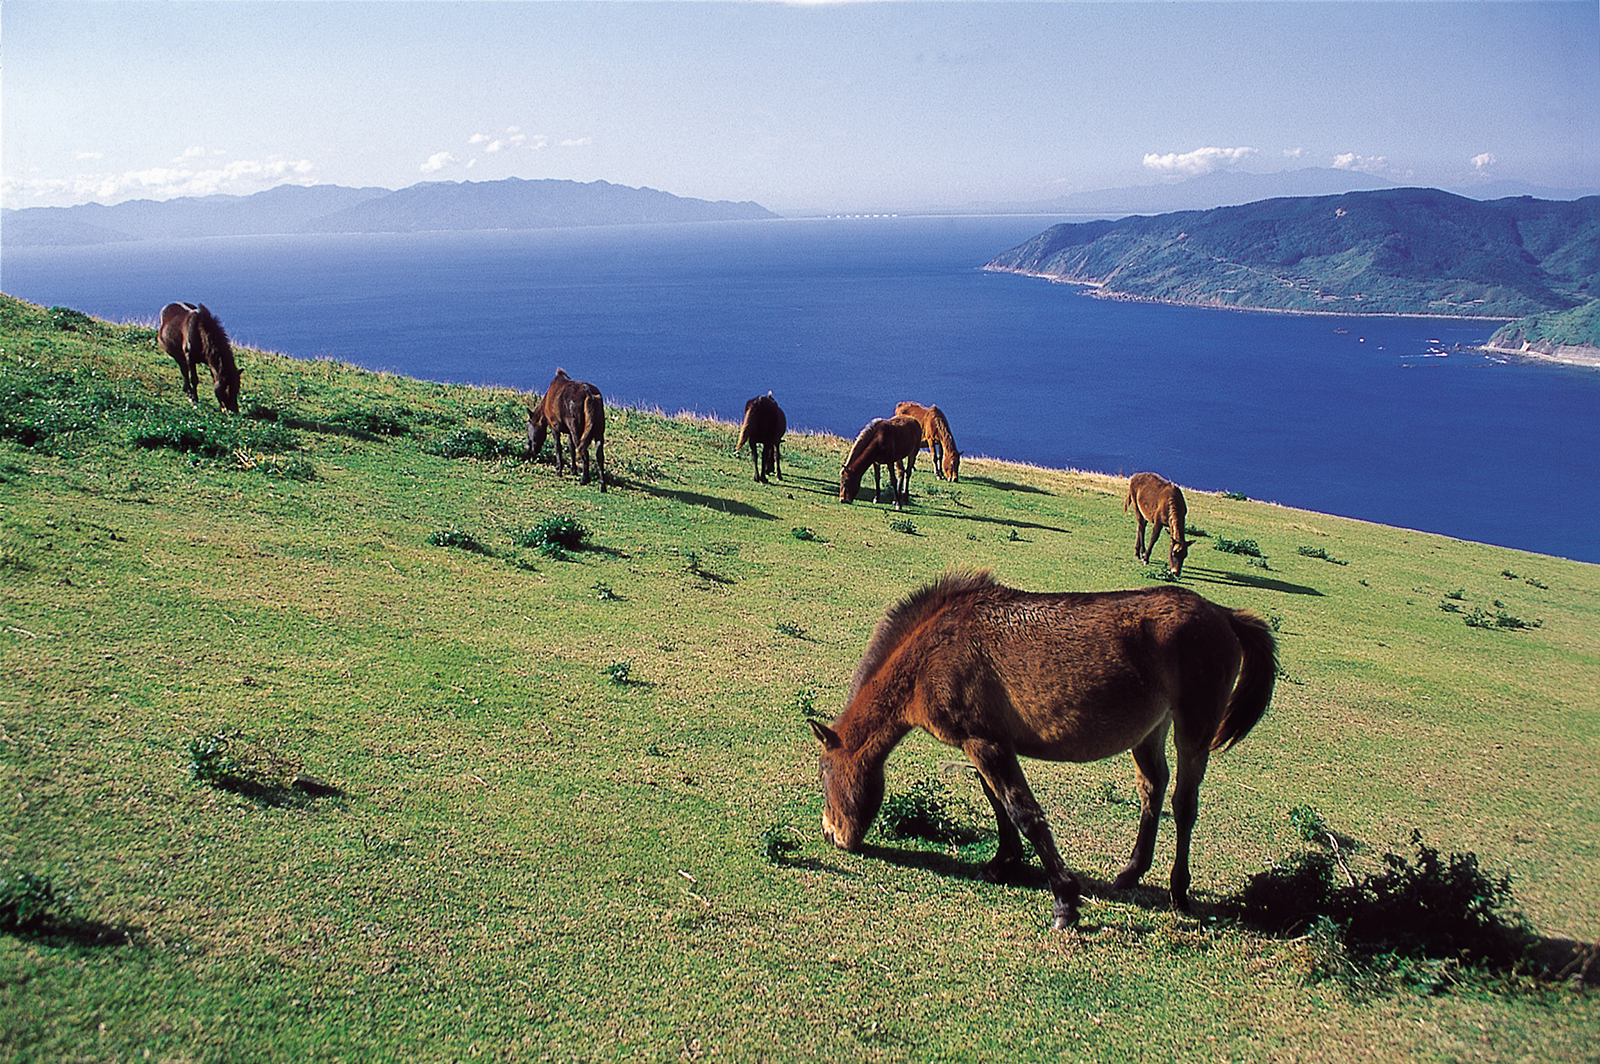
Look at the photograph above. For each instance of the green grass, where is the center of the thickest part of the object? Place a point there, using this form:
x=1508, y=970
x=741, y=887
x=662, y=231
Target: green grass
x=523, y=856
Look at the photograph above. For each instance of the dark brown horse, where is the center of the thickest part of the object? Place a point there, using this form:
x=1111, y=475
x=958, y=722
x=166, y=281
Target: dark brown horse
x=191, y=335
x=764, y=424
x=577, y=409
x=893, y=443
x=936, y=437
x=1001, y=673
x=1158, y=502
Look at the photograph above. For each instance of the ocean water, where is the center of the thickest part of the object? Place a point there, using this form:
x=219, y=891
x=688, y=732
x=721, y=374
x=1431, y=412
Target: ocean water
x=1392, y=420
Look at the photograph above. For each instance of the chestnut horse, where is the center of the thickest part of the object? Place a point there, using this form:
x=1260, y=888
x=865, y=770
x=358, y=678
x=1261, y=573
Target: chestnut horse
x=936, y=437
x=576, y=408
x=893, y=443
x=1159, y=502
x=764, y=424
x=191, y=335
x=1064, y=677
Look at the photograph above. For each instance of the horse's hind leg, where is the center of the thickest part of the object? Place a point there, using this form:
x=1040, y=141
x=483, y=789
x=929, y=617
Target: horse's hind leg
x=1138, y=544
x=600, y=461
x=1150, y=762
x=1008, y=791
x=1192, y=760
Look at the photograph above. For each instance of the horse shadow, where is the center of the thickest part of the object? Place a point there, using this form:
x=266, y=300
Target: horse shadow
x=1005, y=485
x=710, y=502
x=1260, y=583
x=68, y=931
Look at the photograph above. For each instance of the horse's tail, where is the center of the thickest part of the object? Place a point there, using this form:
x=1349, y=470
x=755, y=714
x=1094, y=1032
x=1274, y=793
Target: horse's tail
x=1129, y=500
x=594, y=418
x=1257, y=675
x=744, y=429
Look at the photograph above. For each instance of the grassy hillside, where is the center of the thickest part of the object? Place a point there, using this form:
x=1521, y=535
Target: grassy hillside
x=314, y=747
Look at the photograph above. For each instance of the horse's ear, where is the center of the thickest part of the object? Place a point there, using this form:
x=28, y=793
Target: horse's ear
x=827, y=736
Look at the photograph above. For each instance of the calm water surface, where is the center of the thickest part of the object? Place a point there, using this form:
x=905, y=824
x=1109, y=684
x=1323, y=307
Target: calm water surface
x=1388, y=420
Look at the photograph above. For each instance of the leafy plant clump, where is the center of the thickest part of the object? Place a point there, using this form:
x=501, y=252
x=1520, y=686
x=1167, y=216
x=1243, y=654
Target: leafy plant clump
x=922, y=813
x=458, y=538
x=1408, y=919
x=1319, y=552
x=1248, y=547
x=31, y=903
x=619, y=673
x=471, y=443
x=555, y=536
x=778, y=844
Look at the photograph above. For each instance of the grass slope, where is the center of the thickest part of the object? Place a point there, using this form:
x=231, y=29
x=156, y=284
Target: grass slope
x=577, y=813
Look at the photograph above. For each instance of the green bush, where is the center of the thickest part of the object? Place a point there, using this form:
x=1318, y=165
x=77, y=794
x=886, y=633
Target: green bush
x=555, y=536
x=1430, y=909
x=458, y=538
x=472, y=443
x=30, y=902
x=922, y=813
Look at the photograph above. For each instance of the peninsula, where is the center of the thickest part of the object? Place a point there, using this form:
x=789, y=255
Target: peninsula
x=1391, y=251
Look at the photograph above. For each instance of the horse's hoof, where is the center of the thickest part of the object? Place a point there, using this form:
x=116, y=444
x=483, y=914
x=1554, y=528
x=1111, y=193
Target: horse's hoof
x=1066, y=918
x=1127, y=879
x=1000, y=869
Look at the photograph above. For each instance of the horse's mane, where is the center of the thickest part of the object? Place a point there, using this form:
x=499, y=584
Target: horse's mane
x=911, y=611
x=941, y=428
x=214, y=336
x=870, y=430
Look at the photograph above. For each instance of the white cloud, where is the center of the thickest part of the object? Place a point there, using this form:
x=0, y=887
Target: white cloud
x=1361, y=164
x=1294, y=153
x=579, y=142
x=436, y=162
x=239, y=178
x=1199, y=161
x=1482, y=162
x=478, y=138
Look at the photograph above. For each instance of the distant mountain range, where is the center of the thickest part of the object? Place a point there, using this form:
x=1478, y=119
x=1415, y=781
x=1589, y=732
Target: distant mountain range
x=1224, y=188
x=1391, y=251
x=509, y=204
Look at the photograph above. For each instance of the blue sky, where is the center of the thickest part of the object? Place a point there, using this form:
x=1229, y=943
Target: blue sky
x=833, y=106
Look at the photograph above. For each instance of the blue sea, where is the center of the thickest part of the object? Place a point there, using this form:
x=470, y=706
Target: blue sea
x=1394, y=420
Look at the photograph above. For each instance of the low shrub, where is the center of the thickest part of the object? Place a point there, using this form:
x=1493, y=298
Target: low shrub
x=1247, y=547
x=471, y=443
x=30, y=903
x=922, y=813
x=1419, y=919
x=555, y=536
x=458, y=538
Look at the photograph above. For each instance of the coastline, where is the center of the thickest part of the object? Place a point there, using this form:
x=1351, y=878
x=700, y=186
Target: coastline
x=1099, y=291
x=1565, y=354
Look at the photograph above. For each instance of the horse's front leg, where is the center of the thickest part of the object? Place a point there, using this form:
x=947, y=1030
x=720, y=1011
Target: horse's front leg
x=1150, y=761
x=1138, y=544
x=1009, y=793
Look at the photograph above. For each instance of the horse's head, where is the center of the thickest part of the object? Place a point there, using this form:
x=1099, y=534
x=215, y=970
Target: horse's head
x=851, y=792
x=227, y=388
x=1175, y=557
x=849, y=486
x=952, y=464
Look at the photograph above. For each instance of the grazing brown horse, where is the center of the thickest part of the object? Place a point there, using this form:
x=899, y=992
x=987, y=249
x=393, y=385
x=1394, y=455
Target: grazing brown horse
x=936, y=437
x=1064, y=677
x=893, y=443
x=764, y=424
x=577, y=409
x=191, y=335
x=1159, y=502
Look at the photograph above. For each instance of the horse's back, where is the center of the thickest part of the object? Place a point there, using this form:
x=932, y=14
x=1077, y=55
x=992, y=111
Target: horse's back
x=1075, y=676
x=1155, y=496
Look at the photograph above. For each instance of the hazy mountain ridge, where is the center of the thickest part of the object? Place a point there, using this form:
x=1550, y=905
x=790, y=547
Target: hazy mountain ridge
x=1391, y=251
x=509, y=204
